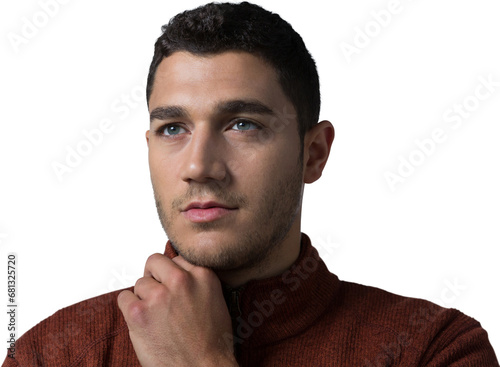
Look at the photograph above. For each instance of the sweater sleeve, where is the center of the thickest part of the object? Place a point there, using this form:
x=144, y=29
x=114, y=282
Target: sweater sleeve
x=10, y=362
x=464, y=343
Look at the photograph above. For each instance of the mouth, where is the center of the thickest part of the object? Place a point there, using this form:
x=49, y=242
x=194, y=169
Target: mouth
x=209, y=211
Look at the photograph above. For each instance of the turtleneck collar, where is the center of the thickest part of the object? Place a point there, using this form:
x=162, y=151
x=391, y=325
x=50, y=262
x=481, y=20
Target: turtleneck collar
x=272, y=309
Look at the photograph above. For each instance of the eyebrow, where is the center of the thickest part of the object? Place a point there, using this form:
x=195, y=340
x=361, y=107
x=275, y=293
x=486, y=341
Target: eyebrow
x=166, y=112
x=244, y=106
x=227, y=107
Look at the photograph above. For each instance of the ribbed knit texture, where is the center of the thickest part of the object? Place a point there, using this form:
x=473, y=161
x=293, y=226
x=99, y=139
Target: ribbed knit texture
x=305, y=317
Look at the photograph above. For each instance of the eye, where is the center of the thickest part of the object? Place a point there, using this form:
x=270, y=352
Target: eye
x=243, y=125
x=171, y=129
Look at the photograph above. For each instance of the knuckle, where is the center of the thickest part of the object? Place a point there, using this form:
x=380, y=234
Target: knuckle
x=153, y=258
x=159, y=294
x=179, y=278
x=137, y=312
x=138, y=283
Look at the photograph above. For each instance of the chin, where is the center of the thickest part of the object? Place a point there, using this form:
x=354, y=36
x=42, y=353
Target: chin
x=209, y=249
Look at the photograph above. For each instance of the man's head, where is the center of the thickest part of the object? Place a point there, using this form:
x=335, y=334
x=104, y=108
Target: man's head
x=218, y=27
x=227, y=160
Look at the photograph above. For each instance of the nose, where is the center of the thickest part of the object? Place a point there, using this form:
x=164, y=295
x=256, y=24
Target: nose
x=204, y=158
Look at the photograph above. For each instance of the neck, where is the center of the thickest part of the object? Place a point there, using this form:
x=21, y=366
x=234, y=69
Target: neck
x=280, y=257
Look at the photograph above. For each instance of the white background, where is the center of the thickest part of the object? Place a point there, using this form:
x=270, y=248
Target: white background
x=92, y=232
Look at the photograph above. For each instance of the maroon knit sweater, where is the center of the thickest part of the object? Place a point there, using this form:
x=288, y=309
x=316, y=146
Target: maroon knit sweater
x=306, y=317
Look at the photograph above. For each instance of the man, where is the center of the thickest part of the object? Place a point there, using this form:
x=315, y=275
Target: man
x=233, y=96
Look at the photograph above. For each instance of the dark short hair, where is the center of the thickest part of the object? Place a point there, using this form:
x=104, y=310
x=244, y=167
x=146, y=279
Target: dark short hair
x=218, y=27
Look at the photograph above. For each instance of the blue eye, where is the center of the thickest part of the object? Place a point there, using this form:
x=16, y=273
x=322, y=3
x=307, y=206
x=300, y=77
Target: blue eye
x=173, y=130
x=243, y=125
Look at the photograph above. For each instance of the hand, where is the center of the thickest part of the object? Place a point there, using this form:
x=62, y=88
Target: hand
x=177, y=316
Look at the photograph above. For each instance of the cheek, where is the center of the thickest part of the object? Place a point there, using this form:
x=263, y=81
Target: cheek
x=262, y=169
x=154, y=167
x=161, y=170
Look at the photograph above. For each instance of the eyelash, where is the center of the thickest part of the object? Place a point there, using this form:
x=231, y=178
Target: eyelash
x=160, y=131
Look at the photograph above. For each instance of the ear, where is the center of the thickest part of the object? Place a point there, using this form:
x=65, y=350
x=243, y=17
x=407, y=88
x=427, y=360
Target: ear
x=147, y=137
x=317, y=144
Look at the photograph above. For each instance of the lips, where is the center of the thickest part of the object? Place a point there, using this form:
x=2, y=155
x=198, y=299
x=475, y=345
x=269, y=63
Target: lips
x=208, y=211
x=206, y=205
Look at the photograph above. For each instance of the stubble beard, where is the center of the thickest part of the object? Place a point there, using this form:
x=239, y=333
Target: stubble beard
x=278, y=209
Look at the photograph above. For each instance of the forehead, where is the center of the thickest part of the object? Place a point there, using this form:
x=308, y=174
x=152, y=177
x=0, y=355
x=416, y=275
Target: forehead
x=201, y=81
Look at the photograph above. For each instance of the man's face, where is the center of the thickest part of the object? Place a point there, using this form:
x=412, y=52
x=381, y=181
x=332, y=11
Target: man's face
x=224, y=156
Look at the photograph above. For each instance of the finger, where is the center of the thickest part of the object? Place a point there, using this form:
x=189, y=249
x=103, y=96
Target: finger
x=203, y=274
x=159, y=267
x=146, y=286
x=125, y=299
x=183, y=263
x=133, y=310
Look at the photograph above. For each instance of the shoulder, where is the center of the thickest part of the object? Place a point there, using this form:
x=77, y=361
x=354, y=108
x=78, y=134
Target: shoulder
x=93, y=326
x=383, y=309
x=421, y=329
